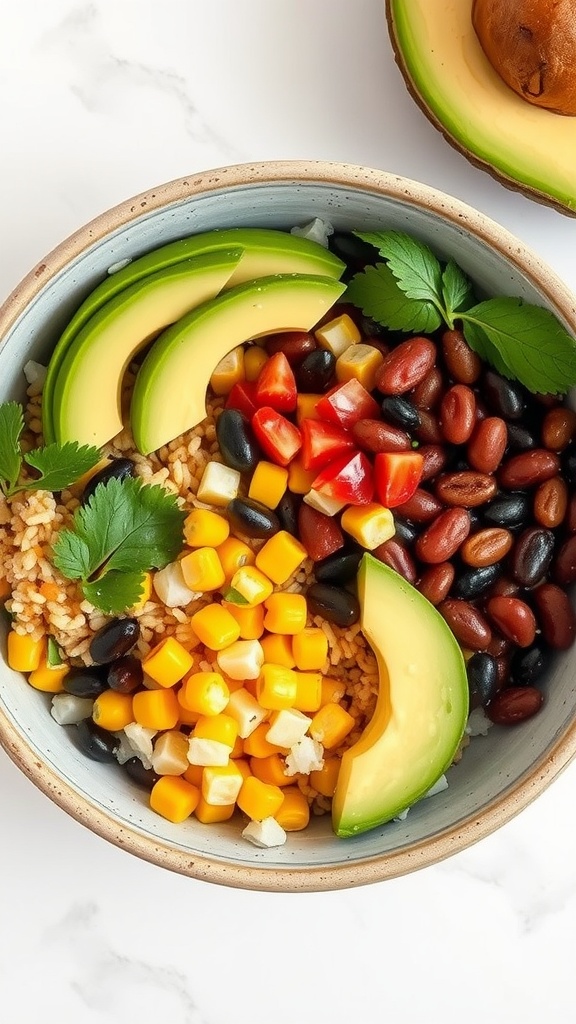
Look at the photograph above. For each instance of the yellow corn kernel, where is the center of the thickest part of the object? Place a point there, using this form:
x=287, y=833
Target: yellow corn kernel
x=215, y=627
x=278, y=649
x=202, y=570
x=24, y=653
x=306, y=407
x=210, y=814
x=333, y=690
x=308, y=691
x=170, y=755
x=294, y=813
x=369, y=525
x=324, y=780
x=252, y=584
x=359, y=362
x=205, y=529
x=251, y=686
x=145, y=593
x=254, y=359
x=228, y=372
x=330, y=725
x=250, y=620
x=233, y=684
x=220, y=728
x=233, y=554
x=310, y=648
x=238, y=749
x=113, y=710
x=185, y=716
x=194, y=774
x=268, y=484
x=204, y=692
x=285, y=613
x=221, y=784
x=276, y=687
x=280, y=556
x=168, y=662
x=243, y=767
x=174, y=798
x=49, y=680
x=270, y=769
x=256, y=744
x=156, y=709
x=338, y=334
x=300, y=480
x=258, y=799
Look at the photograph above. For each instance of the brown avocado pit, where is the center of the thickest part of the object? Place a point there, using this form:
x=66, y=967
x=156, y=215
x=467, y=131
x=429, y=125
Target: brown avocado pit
x=531, y=44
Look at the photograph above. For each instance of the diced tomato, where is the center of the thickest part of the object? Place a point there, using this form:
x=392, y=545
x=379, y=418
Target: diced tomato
x=243, y=397
x=278, y=438
x=322, y=443
x=397, y=475
x=276, y=384
x=349, y=479
x=347, y=403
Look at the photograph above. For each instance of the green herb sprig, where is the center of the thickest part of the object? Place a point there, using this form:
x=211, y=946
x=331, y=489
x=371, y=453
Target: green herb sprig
x=413, y=291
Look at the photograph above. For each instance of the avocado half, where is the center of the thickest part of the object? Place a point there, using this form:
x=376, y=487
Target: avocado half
x=527, y=148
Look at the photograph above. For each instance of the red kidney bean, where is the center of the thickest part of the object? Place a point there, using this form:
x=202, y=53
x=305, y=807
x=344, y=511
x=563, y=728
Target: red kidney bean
x=466, y=488
x=504, y=587
x=503, y=670
x=486, y=547
x=462, y=363
x=444, y=536
x=382, y=347
x=499, y=646
x=397, y=557
x=420, y=508
x=514, y=704
x=429, y=391
x=468, y=624
x=435, y=459
x=458, y=414
x=405, y=366
x=564, y=570
x=528, y=469
x=295, y=345
x=436, y=581
x=487, y=445
x=558, y=428
x=551, y=502
x=532, y=556
x=555, y=615
x=377, y=436
x=320, y=534
x=514, y=618
x=429, y=430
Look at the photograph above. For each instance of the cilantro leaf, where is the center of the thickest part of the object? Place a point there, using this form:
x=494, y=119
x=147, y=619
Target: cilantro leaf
x=114, y=592
x=529, y=340
x=61, y=465
x=71, y=555
x=11, y=426
x=456, y=288
x=378, y=294
x=413, y=264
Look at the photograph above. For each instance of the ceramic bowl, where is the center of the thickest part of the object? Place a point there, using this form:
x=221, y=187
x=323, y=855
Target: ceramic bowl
x=500, y=773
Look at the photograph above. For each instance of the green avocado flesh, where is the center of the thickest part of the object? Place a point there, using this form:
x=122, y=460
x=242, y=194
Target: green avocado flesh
x=170, y=392
x=421, y=710
x=449, y=74
x=87, y=388
x=264, y=251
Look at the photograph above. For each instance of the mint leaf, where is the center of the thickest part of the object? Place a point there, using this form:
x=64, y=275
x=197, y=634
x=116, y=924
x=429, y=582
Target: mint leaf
x=114, y=592
x=456, y=288
x=61, y=465
x=413, y=264
x=377, y=293
x=528, y=339
x=11, y=426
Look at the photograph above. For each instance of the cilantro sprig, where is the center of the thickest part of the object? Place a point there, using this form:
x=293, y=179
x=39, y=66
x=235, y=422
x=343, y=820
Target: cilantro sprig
x=126, y=528
x=58, y=465
x=413, y=291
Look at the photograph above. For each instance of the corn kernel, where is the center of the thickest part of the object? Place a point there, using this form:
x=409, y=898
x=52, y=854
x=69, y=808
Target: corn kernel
x=170, y=756
x=168, y=662
x=300, y=480
x=294, y=813
x=215, y=627
x=278, y=649
x=112, y=710
x=258, y=799
x=204, y=692
x=228, y=372
x=280, y=556
x=221, y=728
x=276, y=687
x=24, y=653
x=194, y=775
x=310, y=648
x=251, y=584
x=238, y=749
x=361, y=363
x=268, y=484
x=203, y=528
x=219, y=485
x=210, y=814
x=243, y=767
x=250, y=620
x=306, y=407
x=369, y=525
x=174, y=798
x=324, y=780
x=202, y=570
x=48, y=680
x=145, y=592
x=330, y=725
x=221, y=785
x=271, y=769
x=285, y=613
x=256, y=745
x=234, y=554
x=254, y=359
x=308, y=691
x=241, y=660
x=338, y=334
x=333, y=690
x=156, y=709
x=246, y=710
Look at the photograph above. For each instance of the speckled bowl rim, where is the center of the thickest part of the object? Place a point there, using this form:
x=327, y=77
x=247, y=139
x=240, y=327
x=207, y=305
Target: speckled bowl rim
x=389, y=864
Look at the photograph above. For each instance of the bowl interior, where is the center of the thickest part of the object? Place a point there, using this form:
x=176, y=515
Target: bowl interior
x=492, y=766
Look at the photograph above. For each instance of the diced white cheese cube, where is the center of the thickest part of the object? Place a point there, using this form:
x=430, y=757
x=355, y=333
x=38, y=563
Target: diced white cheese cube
x=478, y=723
x=140, y=740
x=323, y=502
x=402, y=816
x=439, y=786
x=265, y=833
x=242, y=659
x=69, y=710
x=245, y=710
x=221, y=786
x=170, y=755
x=305, y=756
x=315, y=230
x=34, y=372
x=170, y=587
x=219, y=484
x=287, y=727
x=208, y=753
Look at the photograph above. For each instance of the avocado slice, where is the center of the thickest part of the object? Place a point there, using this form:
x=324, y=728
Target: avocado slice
x=87, y=388
x=421, y=710
x=170, y=392
x=449, y=76
x=265, y=251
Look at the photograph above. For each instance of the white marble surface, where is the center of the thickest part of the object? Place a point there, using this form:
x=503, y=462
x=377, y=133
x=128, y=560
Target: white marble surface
x=100, y=100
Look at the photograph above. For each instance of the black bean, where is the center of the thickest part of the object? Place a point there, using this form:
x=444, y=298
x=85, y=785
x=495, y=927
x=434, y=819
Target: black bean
x=85, y=682
x=482, y=672
x=472, y=583
x=117, y=469
x=236, y=441
x=529, y=663
x=315, y=373
x=531, y=556
x=371, y=329
x=569, y=464
x=352, y=250
x=505, y=398
x=145, y=777
x=336, y=605
x=406, y=532
x=252, y=518
x=339, y=568
x=114, y=640
x=287, y=512
x=520, y=439
x=98, y=744
x=508, y=510
x=125, y=674
x=401, y=413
